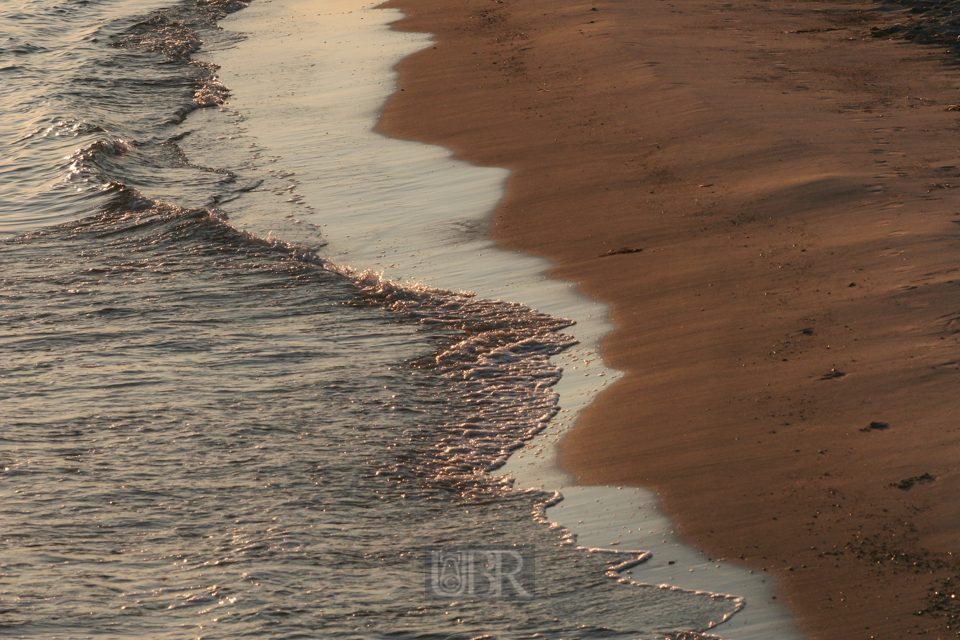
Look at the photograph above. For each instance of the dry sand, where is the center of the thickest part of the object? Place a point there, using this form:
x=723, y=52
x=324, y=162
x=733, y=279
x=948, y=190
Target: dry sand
x=765, y=194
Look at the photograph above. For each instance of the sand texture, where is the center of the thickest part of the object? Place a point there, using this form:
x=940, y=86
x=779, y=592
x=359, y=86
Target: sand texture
x=767, y=195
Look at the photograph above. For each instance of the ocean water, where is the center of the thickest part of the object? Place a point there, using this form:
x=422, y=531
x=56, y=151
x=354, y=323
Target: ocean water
x=213, y=427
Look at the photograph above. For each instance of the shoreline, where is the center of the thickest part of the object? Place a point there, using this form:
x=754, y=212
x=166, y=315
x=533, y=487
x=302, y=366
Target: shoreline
x=420, y=217
x=775, y=240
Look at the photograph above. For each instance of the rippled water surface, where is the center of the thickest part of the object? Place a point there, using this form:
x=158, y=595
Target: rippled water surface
x=86, y=90
x=204, y=433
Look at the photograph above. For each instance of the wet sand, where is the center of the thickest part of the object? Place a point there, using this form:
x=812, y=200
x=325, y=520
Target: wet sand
x=766, y=196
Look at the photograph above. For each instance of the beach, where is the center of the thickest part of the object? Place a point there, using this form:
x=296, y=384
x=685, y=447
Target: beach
x=276, y=363
x=764, y=195
x=266, y=371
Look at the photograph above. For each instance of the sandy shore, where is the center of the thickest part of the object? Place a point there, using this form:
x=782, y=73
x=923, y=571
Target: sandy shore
x=765, y=194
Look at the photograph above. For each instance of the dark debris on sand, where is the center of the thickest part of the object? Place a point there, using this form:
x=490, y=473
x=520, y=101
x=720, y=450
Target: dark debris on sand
x=907, y=483
x=928, y=22
x=621, y=251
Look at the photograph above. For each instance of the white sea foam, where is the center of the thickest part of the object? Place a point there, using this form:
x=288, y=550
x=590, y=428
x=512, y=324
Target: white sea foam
x=309, y=83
